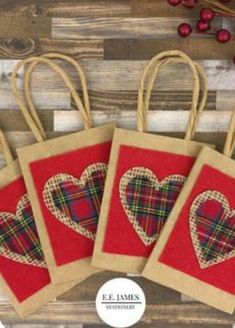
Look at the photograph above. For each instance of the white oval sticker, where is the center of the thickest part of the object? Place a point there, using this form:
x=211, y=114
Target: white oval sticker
x=120, y=302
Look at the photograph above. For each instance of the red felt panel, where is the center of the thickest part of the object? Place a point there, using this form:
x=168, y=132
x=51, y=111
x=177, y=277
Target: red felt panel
x=120, y=236
x=67, y=244
x=24, y=280
x=179, y=251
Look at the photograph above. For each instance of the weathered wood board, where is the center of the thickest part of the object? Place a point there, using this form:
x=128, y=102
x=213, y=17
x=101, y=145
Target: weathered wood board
x=113, y=41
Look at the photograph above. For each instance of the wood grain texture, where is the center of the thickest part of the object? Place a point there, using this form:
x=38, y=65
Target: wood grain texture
x=160, y=8
x=140, y=49
x=116, y=101
x=158, y=121
x=225, y=100
x=125, y=75
x=81, y=313
x=6, y=67
x=45, y=326
x=16, y=48
x=155, y=325
x=116, y=27
x=42, y=99
x=23, y=27
x=63, y=8
x=8, y=118
x=113, y=39
x=113, y=101
x=164, y=324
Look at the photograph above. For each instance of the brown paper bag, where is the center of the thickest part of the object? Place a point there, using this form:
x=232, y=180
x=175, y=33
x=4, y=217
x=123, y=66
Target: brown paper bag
x=196, y=250
x=24, y=276
x=145, y=175
x=65, y=180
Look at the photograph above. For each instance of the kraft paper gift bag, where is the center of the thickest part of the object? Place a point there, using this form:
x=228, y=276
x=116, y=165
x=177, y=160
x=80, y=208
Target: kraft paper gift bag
x=65, y=179
x=145, y=175
x=24, y=276
x=196, y=250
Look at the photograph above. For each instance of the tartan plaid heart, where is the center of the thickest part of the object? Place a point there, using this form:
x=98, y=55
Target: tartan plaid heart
x=19, y=239
x=76, y=202
x=212, y=227
x=148, y=202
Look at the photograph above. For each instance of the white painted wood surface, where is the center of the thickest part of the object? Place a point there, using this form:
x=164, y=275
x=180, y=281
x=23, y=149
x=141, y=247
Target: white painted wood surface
x=125, y=75
x=158, y=121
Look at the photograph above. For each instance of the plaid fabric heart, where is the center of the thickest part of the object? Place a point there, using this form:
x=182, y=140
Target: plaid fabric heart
x=148, y=202
x=19, y=239
x=76, y=202
x=212, y=227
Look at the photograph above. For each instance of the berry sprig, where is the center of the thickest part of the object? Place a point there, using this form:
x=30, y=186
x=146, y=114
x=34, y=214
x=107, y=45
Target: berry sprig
x=210, y=10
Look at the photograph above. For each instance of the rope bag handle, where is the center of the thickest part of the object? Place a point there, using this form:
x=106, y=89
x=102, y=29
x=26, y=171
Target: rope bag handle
x=149, y=76
x=230, y=139
x=27, y=108
x=80, y=73
x=6, y=148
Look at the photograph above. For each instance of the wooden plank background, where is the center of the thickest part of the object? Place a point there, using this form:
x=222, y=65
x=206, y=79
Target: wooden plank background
x=113, y=40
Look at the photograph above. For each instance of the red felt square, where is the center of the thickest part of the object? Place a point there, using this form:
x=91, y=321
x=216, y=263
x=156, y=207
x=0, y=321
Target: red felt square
x=179, y=251
x=24, y=280
x=120, y=236
x=67, y=244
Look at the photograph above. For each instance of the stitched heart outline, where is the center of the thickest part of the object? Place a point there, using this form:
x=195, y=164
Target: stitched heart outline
x=193, y=217
x=55, y=182
x=18, y=219
x=142, y=172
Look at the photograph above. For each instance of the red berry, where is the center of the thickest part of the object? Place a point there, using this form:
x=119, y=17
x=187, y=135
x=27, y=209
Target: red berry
x=203, y=26
x=207, y=14
x=184, y=30
x=223, y=36
x=174, y=2
x=190, y=4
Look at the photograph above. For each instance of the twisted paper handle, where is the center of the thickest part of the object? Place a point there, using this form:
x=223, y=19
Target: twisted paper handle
x=230, y=139
x=149, y=76
x=27, y=107
x=80, y=74
x=6, y=148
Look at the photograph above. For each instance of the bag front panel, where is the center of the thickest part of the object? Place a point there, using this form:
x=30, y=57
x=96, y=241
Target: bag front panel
x=204, y=253
x=19, y=239
x=69, y=189
x=146, y=185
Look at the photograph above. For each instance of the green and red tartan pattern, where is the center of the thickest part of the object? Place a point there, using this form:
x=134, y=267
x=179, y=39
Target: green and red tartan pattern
x=150, y=205
x=18, y=234
x=216, y=229
x=212, y=228
x=81, y=204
